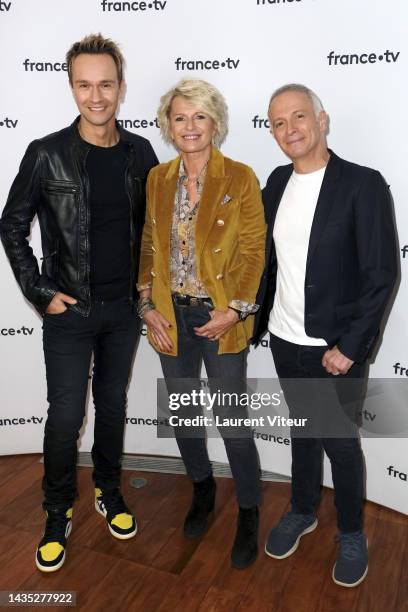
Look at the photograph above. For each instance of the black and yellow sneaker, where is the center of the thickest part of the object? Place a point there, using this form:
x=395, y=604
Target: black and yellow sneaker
x=50, y=554
x=120, y=521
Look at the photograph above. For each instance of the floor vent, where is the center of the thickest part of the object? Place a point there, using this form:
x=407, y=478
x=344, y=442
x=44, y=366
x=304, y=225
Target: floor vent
x=173, y=465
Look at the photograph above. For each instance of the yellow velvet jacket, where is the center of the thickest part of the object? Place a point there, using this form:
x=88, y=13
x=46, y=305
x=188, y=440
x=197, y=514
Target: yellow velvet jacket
x=230, y=241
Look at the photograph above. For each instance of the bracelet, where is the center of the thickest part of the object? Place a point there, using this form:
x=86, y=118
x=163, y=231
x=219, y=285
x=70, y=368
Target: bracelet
x=241, y=315
x=144, y=305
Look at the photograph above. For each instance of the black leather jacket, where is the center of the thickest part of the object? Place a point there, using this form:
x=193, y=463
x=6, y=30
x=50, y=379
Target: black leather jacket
x=52, y=183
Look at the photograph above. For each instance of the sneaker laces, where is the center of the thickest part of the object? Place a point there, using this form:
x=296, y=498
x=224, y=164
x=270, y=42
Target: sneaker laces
x=55, y=526
x=292, y=521
x=114, y=503
x=349, y=545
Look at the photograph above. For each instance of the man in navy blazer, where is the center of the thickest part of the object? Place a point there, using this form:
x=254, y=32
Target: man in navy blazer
x=330, y=269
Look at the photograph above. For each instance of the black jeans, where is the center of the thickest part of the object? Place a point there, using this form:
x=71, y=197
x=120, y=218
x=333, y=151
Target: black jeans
x=296, y=361
x=110, y=332
x=226, y=373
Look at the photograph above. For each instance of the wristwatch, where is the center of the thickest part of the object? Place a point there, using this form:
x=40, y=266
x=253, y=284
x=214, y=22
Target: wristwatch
x=241, y=315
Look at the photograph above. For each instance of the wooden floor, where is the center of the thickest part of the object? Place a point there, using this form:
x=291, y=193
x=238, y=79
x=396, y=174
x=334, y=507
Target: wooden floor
x=160, y=570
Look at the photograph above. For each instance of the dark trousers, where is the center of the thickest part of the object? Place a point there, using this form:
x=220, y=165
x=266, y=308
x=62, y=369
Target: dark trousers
x=110, y=333
x=293, y=361
x=226, y=373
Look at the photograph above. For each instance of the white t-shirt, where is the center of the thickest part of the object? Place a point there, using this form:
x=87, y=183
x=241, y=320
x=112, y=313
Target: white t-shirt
x=291, y=235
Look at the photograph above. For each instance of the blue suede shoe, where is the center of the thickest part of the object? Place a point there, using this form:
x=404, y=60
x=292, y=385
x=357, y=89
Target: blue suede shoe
x=283, y=540
x=351, y=566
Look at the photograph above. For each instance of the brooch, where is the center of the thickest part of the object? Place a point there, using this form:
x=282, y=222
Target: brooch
x=226, y=199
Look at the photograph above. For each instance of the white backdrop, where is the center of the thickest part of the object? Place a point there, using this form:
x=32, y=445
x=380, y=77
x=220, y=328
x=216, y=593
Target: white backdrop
x=353, y=54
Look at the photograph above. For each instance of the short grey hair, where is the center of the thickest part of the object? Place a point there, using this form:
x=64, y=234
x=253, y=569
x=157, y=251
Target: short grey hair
x=317, y=103
x=204, y=95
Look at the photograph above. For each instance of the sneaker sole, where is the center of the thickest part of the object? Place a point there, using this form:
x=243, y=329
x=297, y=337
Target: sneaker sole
x=347, y=584
x=296, y=544
x=54, y=568
x=118, y=536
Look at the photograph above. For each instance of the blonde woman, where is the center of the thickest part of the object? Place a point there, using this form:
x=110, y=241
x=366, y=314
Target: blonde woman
x=201, y=260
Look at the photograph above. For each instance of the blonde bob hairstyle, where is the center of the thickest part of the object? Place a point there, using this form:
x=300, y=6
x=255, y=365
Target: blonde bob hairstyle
x=202, y=94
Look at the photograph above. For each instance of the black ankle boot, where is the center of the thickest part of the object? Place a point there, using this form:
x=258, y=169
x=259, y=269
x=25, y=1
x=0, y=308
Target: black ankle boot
x=202, y=504
x=245, y=549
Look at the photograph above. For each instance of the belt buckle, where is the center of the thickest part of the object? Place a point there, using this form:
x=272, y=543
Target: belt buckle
x=180, y=299
x=194, y=301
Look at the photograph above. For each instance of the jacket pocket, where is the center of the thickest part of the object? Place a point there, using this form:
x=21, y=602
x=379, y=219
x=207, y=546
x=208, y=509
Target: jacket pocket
x=61, y=197
x=51, y=263
x=57, y=187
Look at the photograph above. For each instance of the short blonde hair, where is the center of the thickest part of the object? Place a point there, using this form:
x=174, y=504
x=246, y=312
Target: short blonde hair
x=204, y=95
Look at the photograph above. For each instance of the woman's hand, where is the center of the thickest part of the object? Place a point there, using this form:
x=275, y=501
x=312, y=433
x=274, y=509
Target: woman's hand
x=158, y=325
x=221, y=321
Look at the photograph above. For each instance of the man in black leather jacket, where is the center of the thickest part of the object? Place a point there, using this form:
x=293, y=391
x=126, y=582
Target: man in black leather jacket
x=86, y=185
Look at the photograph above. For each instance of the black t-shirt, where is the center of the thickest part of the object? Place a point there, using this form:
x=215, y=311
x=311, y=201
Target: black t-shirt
x=110, y=222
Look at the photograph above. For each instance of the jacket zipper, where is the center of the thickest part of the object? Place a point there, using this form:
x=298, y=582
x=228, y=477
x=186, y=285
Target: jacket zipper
x=87, y=229
x=57, y=189
x=131, y=246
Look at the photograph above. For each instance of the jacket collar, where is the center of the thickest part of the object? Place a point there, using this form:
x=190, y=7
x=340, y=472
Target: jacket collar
x=333, y=170
x=84, y=146
x=215, y=167
x=323, y=206
x=324, y=203
x=215, y=187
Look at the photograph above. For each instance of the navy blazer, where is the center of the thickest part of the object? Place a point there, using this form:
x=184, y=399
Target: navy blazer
x=351, y=264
